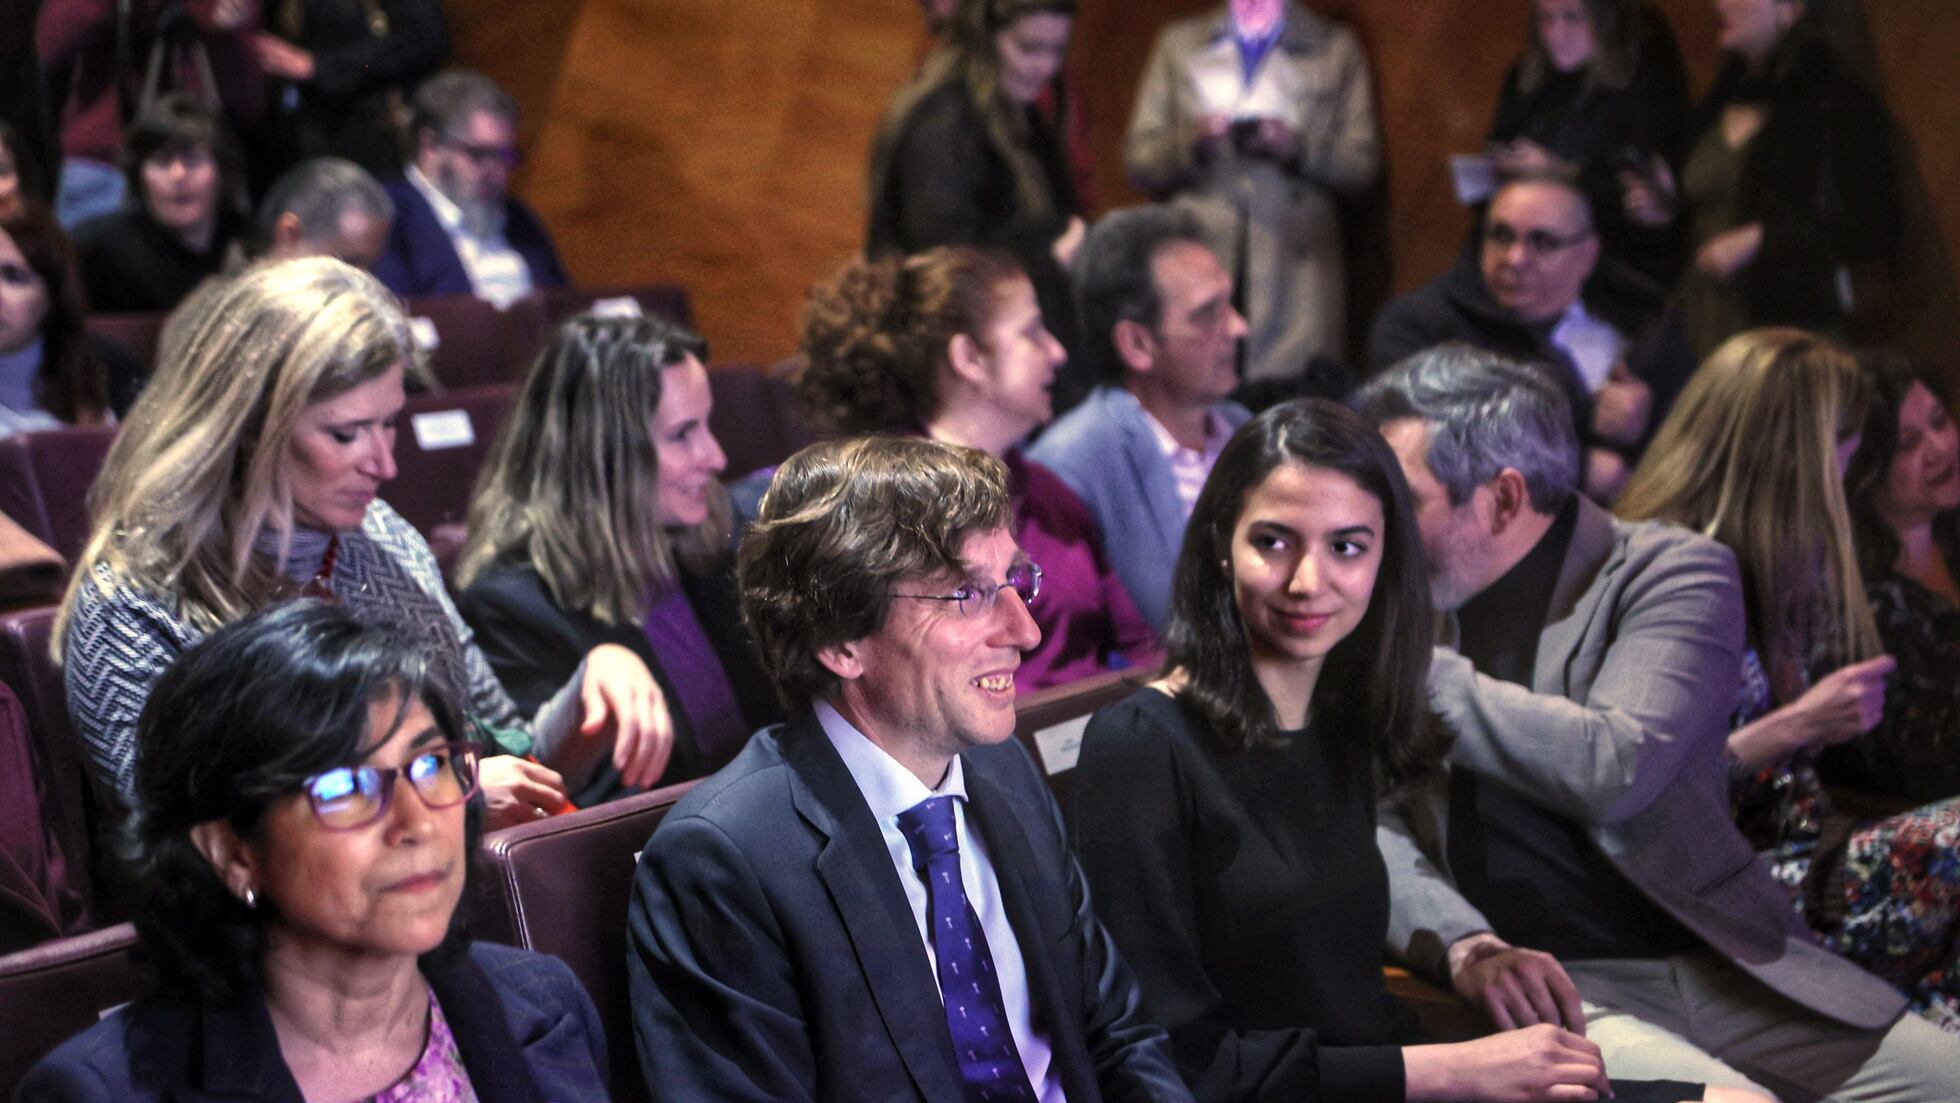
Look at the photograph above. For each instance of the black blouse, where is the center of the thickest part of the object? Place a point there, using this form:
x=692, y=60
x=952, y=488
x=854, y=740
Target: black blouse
x=1247, y=893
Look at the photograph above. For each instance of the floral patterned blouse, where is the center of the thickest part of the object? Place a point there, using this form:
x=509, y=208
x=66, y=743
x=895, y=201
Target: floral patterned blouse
x=439, y=1077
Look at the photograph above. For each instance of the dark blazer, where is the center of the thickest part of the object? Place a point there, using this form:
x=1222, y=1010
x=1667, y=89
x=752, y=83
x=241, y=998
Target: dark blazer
x=1819, y=176
x=524, y=1026
x=773, y=955
x=534, y=645
x=420, y=260
x=1456, y=306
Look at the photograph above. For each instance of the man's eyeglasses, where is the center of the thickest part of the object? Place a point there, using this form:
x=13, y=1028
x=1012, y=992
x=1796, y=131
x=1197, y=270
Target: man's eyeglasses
x=976, y=599
x=1539, y=243
x=347, y=797
x=485, y=156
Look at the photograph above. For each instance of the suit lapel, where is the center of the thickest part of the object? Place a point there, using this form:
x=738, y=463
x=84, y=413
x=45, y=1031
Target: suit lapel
x=241, y=1054
x=494, y=1059
x=1565, y=623
x=856, y=870
x=1023, y=890
x=1152, y=472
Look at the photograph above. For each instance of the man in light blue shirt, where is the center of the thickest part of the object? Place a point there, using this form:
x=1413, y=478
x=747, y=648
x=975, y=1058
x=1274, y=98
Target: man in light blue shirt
x=877, y=899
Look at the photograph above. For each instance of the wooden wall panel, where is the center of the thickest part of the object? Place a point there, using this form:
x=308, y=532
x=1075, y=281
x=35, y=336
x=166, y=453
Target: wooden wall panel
x=721, y=143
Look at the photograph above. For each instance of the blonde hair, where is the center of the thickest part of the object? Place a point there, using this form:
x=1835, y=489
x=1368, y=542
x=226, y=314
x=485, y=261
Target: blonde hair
x=196, y=473
x=1749, y=457
x=571, y=482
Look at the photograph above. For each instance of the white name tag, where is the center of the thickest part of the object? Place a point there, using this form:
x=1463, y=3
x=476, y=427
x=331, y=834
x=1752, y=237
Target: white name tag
x=443, y=429
x=1061, y=744
x=423, y=330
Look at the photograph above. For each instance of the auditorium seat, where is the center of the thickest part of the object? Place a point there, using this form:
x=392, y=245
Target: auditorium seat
x=662, y=300
x=756, y=418
x=440, y=442
x=477, y=344
x=27, y=666
x=135, y=334
x=45, y=479
x=560, y=886
x=56, y=990
x=40, y=888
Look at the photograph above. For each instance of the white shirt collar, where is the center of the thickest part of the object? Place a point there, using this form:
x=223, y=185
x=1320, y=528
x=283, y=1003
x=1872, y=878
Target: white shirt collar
x=888, y=787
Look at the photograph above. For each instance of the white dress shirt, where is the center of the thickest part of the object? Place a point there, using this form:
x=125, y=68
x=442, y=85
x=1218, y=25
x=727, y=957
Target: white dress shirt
x=1189, y=466
x=498, y=273
x=889, y=789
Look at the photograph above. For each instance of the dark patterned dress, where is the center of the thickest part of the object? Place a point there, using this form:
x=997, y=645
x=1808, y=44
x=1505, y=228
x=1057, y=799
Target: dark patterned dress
x=1883, y=893
x=1914, y=753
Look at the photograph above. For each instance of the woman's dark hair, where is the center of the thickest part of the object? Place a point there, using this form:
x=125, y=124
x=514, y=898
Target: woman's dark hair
x=178, y=123
x=1373, y=686
x=1621, y=29
x=240, y=720
x=1891, y=376
x=33, y=185
x=875, y=336
x=71, y=384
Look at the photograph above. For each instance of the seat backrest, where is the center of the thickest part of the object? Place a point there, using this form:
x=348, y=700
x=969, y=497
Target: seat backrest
x=39, y=899
x=476, y=342
x=56, y=990
x=440, y=443
x=27, y=665
x=136, y=334
x=662, y=300
x=560, y=886
x=45, y=479
x=756, y=418
x=1051, y=721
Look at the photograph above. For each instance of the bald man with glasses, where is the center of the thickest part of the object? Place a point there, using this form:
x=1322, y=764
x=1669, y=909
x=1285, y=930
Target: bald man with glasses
x=1535, y=286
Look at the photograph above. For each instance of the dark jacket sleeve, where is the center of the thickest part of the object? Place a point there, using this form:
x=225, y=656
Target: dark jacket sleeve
x=1134, y=823
x=1407, y=325
x=417, y=42
x=531, y=644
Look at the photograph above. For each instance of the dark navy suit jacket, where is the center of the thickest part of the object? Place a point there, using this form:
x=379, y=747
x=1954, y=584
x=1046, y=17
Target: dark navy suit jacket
x=773, y=956
x=525, y=1028
x=420, y=260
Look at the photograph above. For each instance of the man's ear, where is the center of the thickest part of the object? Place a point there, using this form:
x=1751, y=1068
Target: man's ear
x=1510, y=497
x=235, y=863
x=1135, y=345
x=842, y=659
x=287, y=234
x=967, y=359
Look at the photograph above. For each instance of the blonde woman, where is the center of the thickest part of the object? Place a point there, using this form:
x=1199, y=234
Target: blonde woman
x=598, y=520
x=1753, y=455
x=248, y=472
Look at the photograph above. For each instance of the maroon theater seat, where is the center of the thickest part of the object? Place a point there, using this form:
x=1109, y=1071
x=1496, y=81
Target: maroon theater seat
x=1050, y=722
x=57, y=990
x=756, y=418
x=560, y=886
x=40, y=899
x=662, y=300
x=477, y=343
x=45, y=479
x=440, y=443
x=136, y=334
x=27, y=666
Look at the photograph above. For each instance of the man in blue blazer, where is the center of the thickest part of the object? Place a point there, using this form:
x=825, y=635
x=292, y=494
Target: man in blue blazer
x=458, y=230
x=1156, y=314
x=876, y=900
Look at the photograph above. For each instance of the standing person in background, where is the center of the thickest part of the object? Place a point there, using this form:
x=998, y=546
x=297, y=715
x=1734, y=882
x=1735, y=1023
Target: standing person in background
x=458, y=230
x=962, y=157
x=1787, y=184
x=339, y=72
x=187, y=177
x=1259, y=117
x=950, y=344
x=1903, y=490
x=111, y=59
x=1598, y=97
x=597, y=519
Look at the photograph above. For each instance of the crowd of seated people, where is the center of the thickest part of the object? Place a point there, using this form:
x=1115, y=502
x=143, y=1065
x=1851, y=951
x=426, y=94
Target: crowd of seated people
x=1524, y=667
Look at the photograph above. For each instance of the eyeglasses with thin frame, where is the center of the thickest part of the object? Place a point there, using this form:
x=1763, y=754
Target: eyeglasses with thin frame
x=976, y=599
x=483, y=156
x=1539, y=243
x=347, y=797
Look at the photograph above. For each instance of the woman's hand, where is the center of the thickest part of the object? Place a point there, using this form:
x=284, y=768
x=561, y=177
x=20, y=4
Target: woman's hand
x=1519, y=1066
x=1844, y=704
x=1273, y=139
x=280, y=58
x=1515, y=987
x=1622, y=406
x=620, y=697
x=1648, y=194
x=1729, y=252
x=517, y=790
x=1212, y=132
x=1070, y=243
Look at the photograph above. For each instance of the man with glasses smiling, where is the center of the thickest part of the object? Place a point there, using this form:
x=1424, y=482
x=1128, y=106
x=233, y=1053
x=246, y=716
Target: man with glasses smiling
x=876, y=899
x=1536, y=288
x=458, y=230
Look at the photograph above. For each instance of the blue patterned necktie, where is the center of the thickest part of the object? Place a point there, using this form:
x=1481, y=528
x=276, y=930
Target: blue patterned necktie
x=975, y=1012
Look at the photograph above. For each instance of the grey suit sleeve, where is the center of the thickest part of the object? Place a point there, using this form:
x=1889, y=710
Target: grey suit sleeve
x=1663, y=688
x=716, y=1013
x=1426, y=913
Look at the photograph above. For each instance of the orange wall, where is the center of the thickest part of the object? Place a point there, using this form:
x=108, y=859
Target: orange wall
x=721, y=143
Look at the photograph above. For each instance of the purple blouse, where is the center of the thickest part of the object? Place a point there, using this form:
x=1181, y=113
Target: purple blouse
x=688, y=659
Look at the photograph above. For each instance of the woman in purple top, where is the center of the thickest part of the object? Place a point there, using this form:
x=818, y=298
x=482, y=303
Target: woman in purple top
x=598, y=519
x=950, y=343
